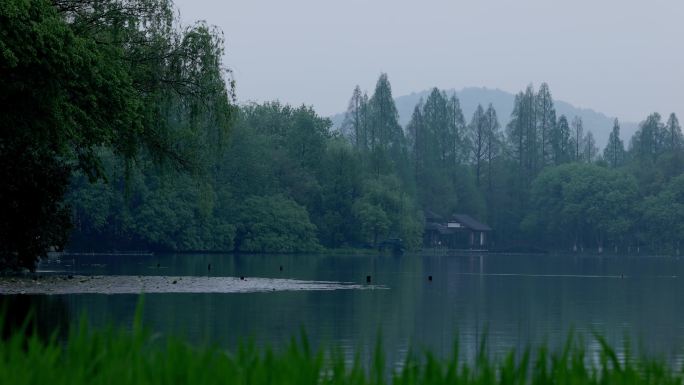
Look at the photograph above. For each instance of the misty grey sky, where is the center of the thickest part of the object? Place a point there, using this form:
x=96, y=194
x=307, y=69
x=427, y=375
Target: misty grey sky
x=624, y=58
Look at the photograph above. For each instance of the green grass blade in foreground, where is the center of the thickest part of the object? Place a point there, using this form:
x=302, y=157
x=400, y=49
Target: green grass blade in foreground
x=117, y=356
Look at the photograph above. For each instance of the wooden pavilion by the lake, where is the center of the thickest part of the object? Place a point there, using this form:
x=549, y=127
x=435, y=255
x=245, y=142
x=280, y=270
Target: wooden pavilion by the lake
x=459, y=231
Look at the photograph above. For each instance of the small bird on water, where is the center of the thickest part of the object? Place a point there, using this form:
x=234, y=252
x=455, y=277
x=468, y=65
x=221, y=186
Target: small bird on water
x=430, y=278
x=368, y=279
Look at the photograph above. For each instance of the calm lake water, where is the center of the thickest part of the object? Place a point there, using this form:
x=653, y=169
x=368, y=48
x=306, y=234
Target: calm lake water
x=515, y=299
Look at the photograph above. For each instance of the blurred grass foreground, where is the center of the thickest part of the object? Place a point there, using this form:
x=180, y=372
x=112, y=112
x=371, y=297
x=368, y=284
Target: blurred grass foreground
x=119, y=356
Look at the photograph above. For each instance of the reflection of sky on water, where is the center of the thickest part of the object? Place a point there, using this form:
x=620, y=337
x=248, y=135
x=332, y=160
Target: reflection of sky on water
x=514, y=300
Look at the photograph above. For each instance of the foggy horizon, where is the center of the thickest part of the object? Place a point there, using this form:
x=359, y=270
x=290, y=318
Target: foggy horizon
x=616, y=57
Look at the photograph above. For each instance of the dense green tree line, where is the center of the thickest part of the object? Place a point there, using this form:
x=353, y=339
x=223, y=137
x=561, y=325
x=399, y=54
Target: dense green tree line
x=285, y=181
x=624, y=200
x=115, y=122
x=542, y=182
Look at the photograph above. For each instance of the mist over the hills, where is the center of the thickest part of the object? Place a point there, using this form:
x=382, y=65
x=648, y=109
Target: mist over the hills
x=598, y=123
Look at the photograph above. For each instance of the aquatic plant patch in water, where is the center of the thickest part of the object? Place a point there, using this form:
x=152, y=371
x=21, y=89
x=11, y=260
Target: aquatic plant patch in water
x=130, y=284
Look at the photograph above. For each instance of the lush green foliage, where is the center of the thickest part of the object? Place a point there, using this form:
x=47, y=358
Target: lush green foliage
x=116, y=356
x=581, y=203
x=615, y=201
x=116, y=90
x=80, y=76
x=274, y=224
x=159, y=210
x=663, y=215
x=281, y=183
x=285, y=182
x=543, y=183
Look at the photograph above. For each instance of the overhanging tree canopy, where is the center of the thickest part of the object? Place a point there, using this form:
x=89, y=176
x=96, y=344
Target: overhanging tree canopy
x=79, y=76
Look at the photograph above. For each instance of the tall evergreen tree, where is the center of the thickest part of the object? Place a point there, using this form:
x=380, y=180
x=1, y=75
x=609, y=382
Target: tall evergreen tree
x=492, y=130
x=589, y=150
x=577, y=138
x=614, y=153
x=516, y=131
x=365, y=120
x=416, y=136
x=673, y=132
x=648, y=141
x=522, y=131
x=386, y=137
x=352, y=126
x=384, y=118
x=478, y=138
x=439, y=137
x=546, y=121
x=457, y=130
x=531, y=138
x=561, y=148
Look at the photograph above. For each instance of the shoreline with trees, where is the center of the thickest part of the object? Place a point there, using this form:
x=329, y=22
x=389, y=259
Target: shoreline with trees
x=286, y=176
x=131, y=139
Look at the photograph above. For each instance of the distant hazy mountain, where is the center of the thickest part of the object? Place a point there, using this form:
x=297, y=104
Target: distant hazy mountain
x=599, y=124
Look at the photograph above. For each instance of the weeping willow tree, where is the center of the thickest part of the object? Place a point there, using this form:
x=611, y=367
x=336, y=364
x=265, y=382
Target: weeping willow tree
x=80, y=76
